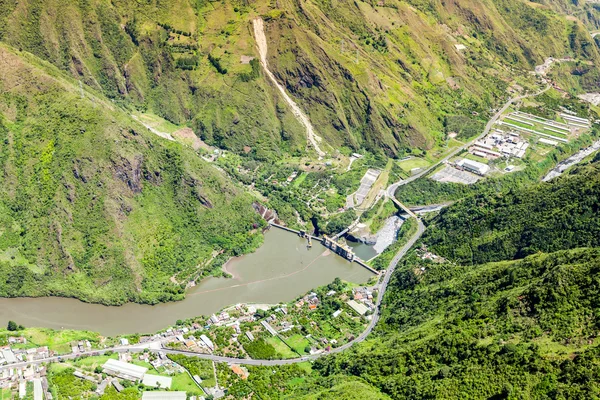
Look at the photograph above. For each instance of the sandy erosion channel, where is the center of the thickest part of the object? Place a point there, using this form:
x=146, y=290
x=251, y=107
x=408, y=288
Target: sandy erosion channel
x=261, y=42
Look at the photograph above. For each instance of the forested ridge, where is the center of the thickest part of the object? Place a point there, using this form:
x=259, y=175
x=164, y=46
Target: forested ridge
x=523, y=326
x=561, y=214
x=94, y=206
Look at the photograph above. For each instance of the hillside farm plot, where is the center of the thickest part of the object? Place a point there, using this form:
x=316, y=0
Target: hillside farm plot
x=559, y=130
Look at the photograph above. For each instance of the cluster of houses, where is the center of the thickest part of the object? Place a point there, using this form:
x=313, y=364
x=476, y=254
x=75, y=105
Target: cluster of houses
x=17, y=379
x=311, y=300
x=268, y=322
x=361, y=302
x=11, y=354
x=199, y=345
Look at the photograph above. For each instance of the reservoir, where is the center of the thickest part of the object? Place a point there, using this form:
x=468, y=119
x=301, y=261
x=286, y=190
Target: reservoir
x=279, y=271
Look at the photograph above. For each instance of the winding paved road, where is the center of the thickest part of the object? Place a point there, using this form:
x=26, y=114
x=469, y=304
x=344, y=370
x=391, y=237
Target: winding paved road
x=390, y=191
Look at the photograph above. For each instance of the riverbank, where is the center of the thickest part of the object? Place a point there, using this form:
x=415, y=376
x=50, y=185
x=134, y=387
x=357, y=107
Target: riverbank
x=278, y=271
x=573, y=160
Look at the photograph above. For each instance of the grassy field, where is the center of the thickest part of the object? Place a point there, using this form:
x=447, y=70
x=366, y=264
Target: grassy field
x=90, y=363
x=158, y=123
x=298, y=343
x=185, y=383
x=414, y=162
x=475, y=158
x=281, y=347
x=58, y=341
x=298, y=181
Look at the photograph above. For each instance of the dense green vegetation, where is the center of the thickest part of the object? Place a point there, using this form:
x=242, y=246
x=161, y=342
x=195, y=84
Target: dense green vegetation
x=182, y=60
x=196, y=366
x=563, y=214
x=509, y=329
x=95, y=207
x=295, y=382
x=521, y=329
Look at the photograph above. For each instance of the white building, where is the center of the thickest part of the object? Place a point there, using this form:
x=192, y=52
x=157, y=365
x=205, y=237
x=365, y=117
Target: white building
x=9, y=356
x=37, y=389
x=124, y=370
x=358, y=307
x=207, y=342
x=474, y=166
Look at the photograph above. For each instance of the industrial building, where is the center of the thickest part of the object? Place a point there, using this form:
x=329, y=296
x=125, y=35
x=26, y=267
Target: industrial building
x=124, y=370
x=164, y=396
x=37, y=389
x=474, y=166
x=269, y=328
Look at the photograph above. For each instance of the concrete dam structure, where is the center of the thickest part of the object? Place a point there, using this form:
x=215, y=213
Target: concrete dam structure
x=331, y=244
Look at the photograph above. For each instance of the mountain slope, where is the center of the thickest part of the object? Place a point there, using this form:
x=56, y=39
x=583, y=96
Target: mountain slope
x=563, y=214
x=93, y=205
x=379, y=75
x=525, y=328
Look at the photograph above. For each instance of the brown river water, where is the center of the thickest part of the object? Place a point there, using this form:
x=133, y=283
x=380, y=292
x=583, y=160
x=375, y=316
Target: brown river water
x=279, y=271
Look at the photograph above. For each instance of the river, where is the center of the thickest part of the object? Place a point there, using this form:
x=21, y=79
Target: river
x=278, y=271
x=569, y=162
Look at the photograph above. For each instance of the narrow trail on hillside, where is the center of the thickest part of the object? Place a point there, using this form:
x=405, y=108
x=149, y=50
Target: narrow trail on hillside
x=261, y=43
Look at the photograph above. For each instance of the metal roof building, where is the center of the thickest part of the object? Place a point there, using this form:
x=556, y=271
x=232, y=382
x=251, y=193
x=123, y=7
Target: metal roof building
x=358, y=307
x=207, y=342
x=9, y=356
x=124, y=370
x=474, y=166
x=164, y=396
x=37, y=389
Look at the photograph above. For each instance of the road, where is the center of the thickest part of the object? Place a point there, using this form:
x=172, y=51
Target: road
x=153, y=346
x=390, y=191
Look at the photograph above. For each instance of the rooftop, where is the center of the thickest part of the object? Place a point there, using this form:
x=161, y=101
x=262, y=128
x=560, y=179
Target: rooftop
x=124, y=369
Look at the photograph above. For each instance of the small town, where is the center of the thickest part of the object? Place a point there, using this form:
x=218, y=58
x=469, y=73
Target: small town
x=311, y=325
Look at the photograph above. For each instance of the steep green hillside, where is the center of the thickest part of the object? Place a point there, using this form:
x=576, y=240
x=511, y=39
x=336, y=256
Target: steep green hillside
x=587, y=11
x=562, y=214
x=524, y=329
x=94, y=206
x=381, y=75
x=510, y=329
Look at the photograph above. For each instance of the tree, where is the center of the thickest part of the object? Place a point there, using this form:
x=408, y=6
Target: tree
x=12, y=326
